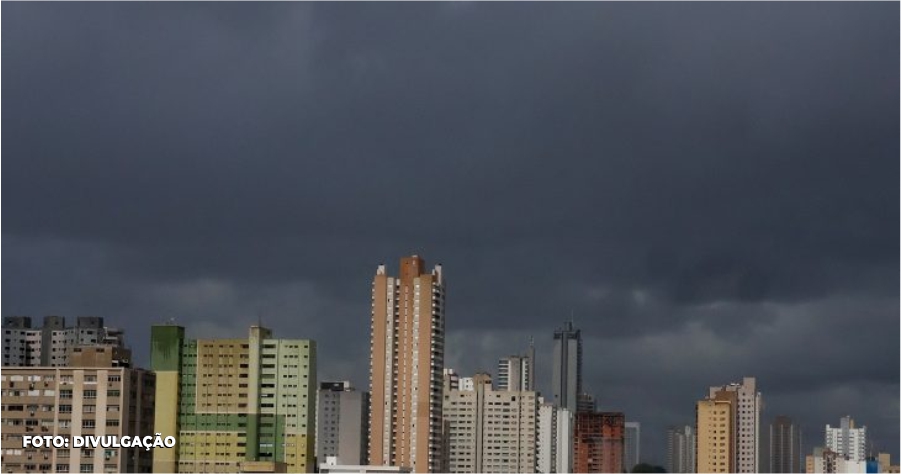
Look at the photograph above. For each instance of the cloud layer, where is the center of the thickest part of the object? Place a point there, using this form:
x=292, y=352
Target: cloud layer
x=709, y=189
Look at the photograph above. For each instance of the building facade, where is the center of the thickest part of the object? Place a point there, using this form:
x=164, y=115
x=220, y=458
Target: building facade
x=50, y=344
x=785, y=453
x=92, y=397
x=681, y=446
x=566, y=382
x=406, y=367
x=490, y=430
x=746, y=423
x=598, y=442
x=847, y=439
x=234, y=404
x=632, y=445
x=516, y=373
x=554, y=448
x=342, y=417
x=715, y=428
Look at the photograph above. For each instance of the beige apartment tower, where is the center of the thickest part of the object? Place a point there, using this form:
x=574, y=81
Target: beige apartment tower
x=406, y=367
x=715, y=428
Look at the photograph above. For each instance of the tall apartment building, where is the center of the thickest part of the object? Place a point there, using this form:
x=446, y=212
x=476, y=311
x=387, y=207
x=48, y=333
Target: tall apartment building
x=715, y=427
x=554, y=448
x=406, y=367
x=50, y=344
x=598, y=442
x=490, y=430
x=847, y=440
x=632, y=445
x=785, y=446
x=234, y=404
x=342, y=417
x=681, y=446
x=516, y=372
x=94, y=396
x=747, y=423
x=566, y=383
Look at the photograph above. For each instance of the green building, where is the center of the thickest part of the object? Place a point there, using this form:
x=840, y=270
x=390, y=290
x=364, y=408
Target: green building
x=234, y=405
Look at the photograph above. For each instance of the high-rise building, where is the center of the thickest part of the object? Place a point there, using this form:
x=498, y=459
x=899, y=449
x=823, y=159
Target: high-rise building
x=715, y=428
x=566, y=384
x=94, y=396
x=632, y=445
x=490, y=430
x=406, y=367
x=554, y=448
x=847, y=440
x=234, y=404
x=586, y=402
x=598, y=442
x=515, y=372
x=746, y=424
x=681, y=445
x=784, y=446
x=342, y=416
x=50, y=344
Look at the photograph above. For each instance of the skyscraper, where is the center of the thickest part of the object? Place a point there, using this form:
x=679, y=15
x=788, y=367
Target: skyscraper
x=490, y=430
x=784, y=446
x=341, y=418
x=847, y=440
x=234, y=404
x=681, y=444
x=516, y=372
x=715, y=426
x=406, y=367
x=554, y=448
x=567, y=369
x=598, y=442
x=632, y=449
x=746, y=423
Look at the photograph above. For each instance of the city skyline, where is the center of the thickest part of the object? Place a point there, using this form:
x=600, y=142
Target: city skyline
x=708, y=189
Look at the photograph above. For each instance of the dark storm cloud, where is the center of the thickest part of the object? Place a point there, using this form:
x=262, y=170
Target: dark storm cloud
x=691, y=181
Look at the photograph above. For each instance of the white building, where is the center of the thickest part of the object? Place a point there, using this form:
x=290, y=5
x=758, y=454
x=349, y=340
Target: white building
x=490, y=430
x=847, y=440
x=466, y=384
x=632, y=445
x=554, y=448
x=747, y=423
x=48, y=345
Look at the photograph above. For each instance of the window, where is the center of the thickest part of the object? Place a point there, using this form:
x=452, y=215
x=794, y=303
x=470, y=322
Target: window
x=89, y=424
x=86, y=468
x=65, y=394
x=90, y=394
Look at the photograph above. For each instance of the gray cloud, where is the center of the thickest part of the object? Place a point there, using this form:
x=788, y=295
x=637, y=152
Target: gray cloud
x=693, y=182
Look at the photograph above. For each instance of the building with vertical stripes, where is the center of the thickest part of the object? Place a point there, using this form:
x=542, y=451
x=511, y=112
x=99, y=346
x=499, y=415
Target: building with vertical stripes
x=234, y=404
x=406, y=367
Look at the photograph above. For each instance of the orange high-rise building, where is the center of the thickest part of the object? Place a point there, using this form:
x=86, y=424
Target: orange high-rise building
x=406, y=365
x=598, y=442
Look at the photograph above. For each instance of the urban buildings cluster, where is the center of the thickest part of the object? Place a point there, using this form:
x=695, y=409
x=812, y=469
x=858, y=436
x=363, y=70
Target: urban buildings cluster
x=255, y=404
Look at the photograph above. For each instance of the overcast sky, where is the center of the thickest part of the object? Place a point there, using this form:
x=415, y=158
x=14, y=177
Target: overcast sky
x=709, y=189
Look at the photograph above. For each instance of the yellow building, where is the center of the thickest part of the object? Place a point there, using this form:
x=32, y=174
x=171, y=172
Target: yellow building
x=715, y=426
x=235, y=405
